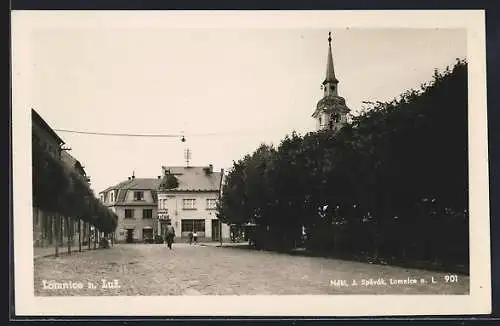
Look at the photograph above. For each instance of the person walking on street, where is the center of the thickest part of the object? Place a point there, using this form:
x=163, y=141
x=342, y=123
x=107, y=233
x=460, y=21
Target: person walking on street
x=170, y=235
x=195, y=236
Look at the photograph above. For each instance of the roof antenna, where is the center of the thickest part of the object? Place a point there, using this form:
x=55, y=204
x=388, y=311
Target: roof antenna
x=187, y=156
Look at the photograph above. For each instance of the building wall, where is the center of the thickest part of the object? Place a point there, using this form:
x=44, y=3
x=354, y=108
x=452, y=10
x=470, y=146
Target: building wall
x=44, y=229
x=109, y=197
x=37, y=227
x=137, y=223
x=51, y=145
x=173, y=205
x=325, y=120
x=46, y=141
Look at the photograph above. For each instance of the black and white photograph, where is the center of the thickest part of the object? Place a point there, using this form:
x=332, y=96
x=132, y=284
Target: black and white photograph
x=240, y=163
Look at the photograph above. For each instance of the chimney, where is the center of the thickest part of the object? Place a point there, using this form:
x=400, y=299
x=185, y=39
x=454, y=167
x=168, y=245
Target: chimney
x=133, y=177
x=129, y=178
x=159, y=177
x=211, y=167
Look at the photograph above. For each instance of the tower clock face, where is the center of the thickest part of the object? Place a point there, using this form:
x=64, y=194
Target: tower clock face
x=334, y=117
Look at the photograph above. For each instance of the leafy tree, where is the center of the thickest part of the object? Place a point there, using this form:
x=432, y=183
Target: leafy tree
x=169, y=181
x=58, y=189
x=392, y=184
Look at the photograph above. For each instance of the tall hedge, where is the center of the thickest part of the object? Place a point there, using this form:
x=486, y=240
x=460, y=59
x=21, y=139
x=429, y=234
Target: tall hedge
x=59, y=189
x=392, y=184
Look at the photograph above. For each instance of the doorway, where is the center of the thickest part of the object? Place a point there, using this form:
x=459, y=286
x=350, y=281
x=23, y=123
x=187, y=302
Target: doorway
x=215, y=230
x=147, y=235
x=130, y=236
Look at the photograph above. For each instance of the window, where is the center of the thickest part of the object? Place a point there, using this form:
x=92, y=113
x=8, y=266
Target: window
x=112, y=194
x=138, y=195
x=211, y=203
x=189, y=204
x=129, y=213
x=192, y=225
x=147, y=213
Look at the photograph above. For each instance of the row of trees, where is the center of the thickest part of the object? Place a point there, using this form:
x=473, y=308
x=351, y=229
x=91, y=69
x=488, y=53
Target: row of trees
x=60, y=191
x=392, y=184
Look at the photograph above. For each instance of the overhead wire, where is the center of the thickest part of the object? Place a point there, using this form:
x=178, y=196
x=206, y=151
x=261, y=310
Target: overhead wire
x=95, y=133
x=130, y=135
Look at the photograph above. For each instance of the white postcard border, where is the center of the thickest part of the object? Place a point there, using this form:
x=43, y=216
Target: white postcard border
x=479, y=300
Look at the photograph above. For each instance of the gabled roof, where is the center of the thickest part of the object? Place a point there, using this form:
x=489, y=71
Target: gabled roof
x=117, y=186
x=37, y=119
x=134, y=184
x=194, y=178
x=190, y=179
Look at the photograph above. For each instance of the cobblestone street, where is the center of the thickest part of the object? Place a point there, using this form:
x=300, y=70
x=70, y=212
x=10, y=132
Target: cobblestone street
x=141, y=269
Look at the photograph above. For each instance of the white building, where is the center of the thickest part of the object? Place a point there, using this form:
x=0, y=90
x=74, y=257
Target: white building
x=191, y=206
x=134, y=201
x=331, y=111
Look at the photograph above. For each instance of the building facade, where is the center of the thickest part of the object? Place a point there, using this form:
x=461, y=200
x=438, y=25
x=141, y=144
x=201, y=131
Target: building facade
x=44, y=223
x=134, y=201
x=43, y=136
x=192, y=205
x=144, y=205
x=331, y=111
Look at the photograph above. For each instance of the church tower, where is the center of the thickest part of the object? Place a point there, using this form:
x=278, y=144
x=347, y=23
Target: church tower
x=331, y=111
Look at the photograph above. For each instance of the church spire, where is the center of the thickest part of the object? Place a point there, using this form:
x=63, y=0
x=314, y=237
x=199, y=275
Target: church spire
x=330, y=73
x=331, y=111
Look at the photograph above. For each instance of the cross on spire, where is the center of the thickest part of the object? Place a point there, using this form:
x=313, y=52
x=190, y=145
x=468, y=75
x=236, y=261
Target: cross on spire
x=330, y=73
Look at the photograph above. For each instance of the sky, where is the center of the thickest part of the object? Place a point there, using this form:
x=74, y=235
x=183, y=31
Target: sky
x=227, y=90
